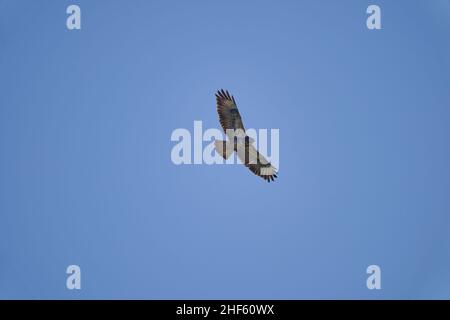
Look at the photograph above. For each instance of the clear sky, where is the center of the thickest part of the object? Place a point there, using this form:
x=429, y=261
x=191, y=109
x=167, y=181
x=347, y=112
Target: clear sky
x=86, y=177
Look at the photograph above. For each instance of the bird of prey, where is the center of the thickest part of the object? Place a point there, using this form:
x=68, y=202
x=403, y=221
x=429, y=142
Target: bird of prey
x=238, y=140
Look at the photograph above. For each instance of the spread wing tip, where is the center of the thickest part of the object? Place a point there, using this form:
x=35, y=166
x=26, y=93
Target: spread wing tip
x=270, y=177
x=224, y=94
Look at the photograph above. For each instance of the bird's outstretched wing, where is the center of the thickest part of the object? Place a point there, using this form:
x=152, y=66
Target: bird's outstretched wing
x=256, y=162
x=229, y=116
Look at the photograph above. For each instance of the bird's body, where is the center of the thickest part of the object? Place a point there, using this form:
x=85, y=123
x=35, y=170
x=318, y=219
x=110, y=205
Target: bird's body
x=238, y=140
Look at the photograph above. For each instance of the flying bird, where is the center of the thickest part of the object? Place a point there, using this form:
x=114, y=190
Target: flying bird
x=238, y=140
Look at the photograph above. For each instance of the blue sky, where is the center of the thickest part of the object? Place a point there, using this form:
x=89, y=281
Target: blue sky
x=85, y=170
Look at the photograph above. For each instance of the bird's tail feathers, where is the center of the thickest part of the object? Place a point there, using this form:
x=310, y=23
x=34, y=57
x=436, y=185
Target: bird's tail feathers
x=224, y=148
